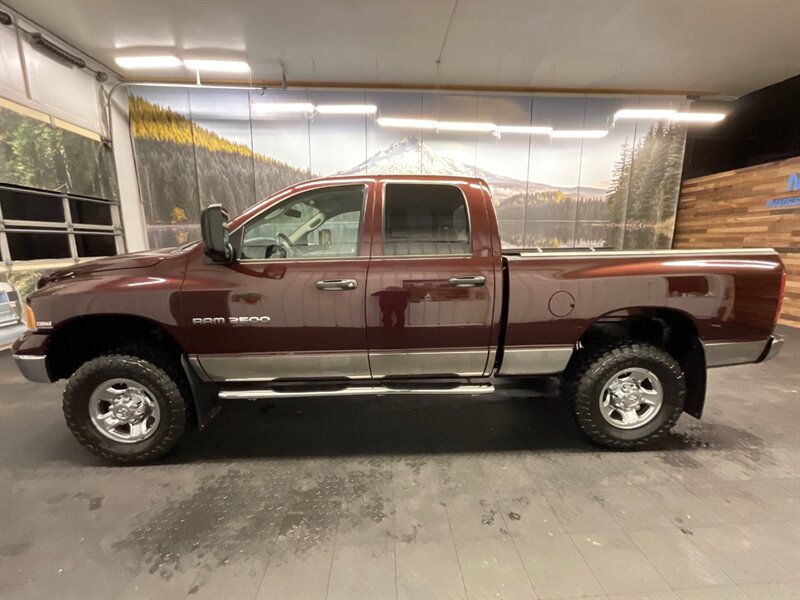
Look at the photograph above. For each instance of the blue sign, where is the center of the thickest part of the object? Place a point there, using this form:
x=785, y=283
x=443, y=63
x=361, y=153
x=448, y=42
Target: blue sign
x=788, y=201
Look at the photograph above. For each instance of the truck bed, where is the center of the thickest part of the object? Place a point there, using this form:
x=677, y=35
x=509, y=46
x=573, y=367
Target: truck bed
x=554, y=295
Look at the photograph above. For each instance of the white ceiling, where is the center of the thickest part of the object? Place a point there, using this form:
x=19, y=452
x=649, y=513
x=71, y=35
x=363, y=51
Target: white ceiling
x=729, y=48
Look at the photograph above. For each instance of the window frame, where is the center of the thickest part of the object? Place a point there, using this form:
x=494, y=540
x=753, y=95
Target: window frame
x=237, y=235
x=68, y=227
x=382, y=229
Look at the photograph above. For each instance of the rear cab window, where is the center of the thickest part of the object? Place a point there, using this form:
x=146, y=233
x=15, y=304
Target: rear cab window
x=425, y=220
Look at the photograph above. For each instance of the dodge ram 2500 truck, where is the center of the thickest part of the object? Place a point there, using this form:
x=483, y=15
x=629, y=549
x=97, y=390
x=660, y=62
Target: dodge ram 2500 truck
x=374, y=285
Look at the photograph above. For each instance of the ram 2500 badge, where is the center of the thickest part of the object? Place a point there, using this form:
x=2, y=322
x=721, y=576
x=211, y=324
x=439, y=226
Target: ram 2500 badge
x=389, y=285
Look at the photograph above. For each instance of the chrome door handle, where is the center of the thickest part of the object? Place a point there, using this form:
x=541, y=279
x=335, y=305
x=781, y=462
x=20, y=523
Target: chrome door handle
x=330, y=285
x=467, y=281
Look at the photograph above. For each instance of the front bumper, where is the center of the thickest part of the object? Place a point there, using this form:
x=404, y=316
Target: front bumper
x=34, y=368
x=773, y=348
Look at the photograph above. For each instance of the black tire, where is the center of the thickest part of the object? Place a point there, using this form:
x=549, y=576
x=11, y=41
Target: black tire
x=158, y=374
x=583, y=381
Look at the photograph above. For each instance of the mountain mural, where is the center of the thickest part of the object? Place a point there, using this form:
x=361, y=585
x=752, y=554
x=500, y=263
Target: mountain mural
x=410, y=156
x=183, y=165
x=529, y=213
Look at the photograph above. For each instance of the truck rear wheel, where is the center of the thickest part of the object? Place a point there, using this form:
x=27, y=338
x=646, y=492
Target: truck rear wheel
x=125, y=408
x=626, y=394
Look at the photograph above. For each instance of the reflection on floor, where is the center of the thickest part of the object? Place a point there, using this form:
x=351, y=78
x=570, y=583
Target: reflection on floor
x=406, y=497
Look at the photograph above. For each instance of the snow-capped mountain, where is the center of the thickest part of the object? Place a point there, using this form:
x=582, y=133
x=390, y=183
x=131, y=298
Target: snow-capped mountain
x=411, y=156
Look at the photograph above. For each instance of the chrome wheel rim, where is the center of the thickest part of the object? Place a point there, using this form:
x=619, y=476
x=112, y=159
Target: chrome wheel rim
x=631, y=398
x=124, y=410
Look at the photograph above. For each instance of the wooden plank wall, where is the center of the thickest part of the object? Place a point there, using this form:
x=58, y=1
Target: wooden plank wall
x=728, y=210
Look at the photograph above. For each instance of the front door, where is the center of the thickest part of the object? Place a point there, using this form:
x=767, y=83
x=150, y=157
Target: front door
x=431, y=283
x=292, y=305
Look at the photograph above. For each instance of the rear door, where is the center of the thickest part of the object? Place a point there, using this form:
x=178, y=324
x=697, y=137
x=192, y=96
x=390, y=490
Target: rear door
x=431, y=282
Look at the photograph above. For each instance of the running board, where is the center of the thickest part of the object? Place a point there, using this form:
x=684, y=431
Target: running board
x=354, y=391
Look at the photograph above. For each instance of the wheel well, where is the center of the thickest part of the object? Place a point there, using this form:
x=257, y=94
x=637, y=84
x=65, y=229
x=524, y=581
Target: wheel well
x=669, y=329
x=86, y=337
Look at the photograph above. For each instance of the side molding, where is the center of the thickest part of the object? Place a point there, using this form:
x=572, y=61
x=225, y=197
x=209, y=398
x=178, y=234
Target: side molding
x=535, y=361
x=267, y=367
x=463, y=363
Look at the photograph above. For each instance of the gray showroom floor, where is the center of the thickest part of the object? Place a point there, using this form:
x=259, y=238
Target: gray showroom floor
x=411, y=498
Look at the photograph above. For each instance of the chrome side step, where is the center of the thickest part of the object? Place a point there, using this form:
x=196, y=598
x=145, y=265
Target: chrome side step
x=354, y=391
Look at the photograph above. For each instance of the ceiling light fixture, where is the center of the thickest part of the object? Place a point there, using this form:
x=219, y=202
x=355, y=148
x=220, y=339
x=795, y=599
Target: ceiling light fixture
x=440, y=125
x=217, y=66
x=644, y=113
x=37, y=39
x=697, y=117
x=148, y=62
x=282, y=107
x=579, y=133
x=412, y=123
x=667, y=113
x=347, y=109
x=532, y=129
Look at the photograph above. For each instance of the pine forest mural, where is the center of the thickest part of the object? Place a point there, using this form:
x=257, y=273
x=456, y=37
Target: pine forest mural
x=197, y=147
x=36, y=154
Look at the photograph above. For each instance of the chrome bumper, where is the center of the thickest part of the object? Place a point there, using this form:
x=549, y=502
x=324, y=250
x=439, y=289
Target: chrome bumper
x=774, y=345
x=34, y=368
x=723, y=354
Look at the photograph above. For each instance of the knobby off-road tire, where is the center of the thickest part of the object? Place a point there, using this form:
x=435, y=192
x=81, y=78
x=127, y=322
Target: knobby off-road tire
x=592, y=369
x=166, y=387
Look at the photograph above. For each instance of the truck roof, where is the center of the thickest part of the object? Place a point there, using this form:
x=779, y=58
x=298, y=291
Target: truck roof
x=395, y=176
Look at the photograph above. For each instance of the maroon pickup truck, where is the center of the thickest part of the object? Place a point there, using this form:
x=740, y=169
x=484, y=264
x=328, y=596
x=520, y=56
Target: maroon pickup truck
x=389, y=285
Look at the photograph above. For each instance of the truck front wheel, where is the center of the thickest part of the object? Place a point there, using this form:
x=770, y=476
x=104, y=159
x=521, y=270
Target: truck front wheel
x=625, y=394
x=125, y=408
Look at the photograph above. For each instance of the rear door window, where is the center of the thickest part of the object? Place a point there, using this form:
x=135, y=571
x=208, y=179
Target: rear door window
x=425, y=220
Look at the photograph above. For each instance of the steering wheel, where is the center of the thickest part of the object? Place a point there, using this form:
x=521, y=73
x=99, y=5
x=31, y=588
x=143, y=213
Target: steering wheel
x=286, y=243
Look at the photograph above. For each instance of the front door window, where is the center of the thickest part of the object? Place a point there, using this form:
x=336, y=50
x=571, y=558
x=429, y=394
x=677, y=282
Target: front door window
x=321, y=223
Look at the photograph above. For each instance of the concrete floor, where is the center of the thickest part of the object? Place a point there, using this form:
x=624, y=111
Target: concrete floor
x=411, y=498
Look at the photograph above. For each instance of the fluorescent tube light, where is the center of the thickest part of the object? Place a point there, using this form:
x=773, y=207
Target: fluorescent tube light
x=665, y=113
x=282, y=107
x=644, y=113
x=147, y=62
x=532, y=129
x=218, y=66
x=465, y=126
x=579, y=133
x=347, y=109
x=698, y=117
x=441, y=125
x=412, y=123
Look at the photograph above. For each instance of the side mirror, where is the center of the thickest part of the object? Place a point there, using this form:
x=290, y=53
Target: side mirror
x=214, y=228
